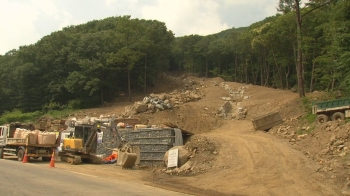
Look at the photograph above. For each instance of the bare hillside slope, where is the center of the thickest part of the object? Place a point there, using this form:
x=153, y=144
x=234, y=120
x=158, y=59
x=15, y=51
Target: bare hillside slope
x=231, y=158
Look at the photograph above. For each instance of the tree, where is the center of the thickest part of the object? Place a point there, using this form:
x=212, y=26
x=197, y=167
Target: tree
x=300, y=67
x=203, y=50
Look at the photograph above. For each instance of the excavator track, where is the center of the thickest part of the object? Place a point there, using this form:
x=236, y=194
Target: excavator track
x=73, y=160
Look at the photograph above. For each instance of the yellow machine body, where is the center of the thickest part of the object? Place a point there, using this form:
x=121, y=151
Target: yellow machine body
x=72, y=143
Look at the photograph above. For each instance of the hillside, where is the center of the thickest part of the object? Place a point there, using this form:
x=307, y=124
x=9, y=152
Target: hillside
x=231, y=158
x=89, y=64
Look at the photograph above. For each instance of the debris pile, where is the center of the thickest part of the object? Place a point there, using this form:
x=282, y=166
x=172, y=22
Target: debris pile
x=237, y=95
x=232, y=108
x=165, y=101
x=195, y=157
x=332, y=149
x=48, y=124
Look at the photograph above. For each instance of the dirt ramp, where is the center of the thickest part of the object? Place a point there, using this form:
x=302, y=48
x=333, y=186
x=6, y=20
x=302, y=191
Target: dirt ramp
x=256, y=163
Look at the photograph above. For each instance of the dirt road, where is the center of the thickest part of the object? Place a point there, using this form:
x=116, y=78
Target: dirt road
x=255, y=163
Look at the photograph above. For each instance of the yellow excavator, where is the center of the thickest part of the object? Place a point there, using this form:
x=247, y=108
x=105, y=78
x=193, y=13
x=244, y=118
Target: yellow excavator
x=91, y=142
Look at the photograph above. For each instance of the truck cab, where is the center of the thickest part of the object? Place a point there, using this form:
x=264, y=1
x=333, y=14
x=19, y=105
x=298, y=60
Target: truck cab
x=3, y=135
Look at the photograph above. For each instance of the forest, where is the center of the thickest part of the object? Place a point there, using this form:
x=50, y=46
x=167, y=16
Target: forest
x=303, y=47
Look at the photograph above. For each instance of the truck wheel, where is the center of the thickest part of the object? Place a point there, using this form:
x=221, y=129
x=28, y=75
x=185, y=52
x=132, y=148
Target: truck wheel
x=1, y=153
x=20, y=155
x=322, y=118
x=338, y=116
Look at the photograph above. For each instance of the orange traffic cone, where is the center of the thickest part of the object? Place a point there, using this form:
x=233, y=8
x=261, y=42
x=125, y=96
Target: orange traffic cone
x=25, y=157
x=52, y=162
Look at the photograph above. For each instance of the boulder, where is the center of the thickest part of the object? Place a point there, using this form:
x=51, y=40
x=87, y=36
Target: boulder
x=169, y=105
x=159, y=106
x=146, y=100
x=150, y=106
x=141, y=107
x=186, y=166
x=162, y=96
x=194, y=96
x=184, y=155
x=226, y=108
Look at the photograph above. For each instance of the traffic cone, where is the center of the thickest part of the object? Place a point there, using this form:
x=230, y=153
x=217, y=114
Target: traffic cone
x=25, y=157
x=52, y=162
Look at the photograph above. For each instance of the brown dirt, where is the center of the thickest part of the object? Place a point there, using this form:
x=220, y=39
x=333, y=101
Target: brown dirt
x=233, y=158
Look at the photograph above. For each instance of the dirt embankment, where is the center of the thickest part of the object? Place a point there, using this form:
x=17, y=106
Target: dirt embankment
x=232, y=158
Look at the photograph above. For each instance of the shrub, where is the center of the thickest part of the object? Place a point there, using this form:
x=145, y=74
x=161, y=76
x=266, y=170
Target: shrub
x=58, y=114
x=18, y=116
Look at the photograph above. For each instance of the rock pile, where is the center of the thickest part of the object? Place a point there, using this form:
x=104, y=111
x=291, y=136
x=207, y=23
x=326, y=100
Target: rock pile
x=196, y=156
x=48, y=124
x=159, y=102
x=331, y=151
x=232, y=108
x=338, y=141
x=235, y=95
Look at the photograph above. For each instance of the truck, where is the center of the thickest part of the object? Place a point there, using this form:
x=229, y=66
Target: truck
x=19, y=147
x=337, y=109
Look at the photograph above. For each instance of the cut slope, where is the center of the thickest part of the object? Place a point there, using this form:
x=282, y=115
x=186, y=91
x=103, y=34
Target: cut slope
x=245, y=162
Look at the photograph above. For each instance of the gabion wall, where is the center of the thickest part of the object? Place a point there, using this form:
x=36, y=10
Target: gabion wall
x=153, y=143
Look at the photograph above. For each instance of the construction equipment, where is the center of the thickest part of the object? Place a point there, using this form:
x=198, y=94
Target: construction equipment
x=267, y=121
x=91, y=142
x=338, y=109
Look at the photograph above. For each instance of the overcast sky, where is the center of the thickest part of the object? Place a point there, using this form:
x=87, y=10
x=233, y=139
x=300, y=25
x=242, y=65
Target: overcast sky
x=24, y=22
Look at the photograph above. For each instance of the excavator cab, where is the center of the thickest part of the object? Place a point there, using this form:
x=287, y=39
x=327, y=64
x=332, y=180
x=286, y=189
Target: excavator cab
x=79, y=139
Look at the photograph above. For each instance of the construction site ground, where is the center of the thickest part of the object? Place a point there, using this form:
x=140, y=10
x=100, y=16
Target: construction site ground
x=294, y=158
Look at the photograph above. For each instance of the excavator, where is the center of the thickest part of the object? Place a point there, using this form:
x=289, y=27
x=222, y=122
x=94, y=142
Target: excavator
x=89, y=142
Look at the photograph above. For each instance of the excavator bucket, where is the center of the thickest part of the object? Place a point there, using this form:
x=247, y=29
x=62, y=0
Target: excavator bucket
x=128, y=160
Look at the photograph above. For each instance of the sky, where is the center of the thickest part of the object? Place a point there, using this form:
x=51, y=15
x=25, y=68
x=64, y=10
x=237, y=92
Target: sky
x=24, y=22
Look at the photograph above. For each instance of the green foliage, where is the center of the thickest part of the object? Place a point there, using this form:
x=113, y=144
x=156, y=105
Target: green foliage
x=18, y=116
x=215, y=71
x=226, y=77
x=75, y=104
x=53, y=106
x=310, y=118
x=306, y=131
x=307, y=104
x=58, y=114
x=89, y=62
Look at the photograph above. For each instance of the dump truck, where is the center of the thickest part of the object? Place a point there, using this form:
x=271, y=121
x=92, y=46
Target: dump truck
x=11, y=145
x=337, y=109
x=91, y=142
